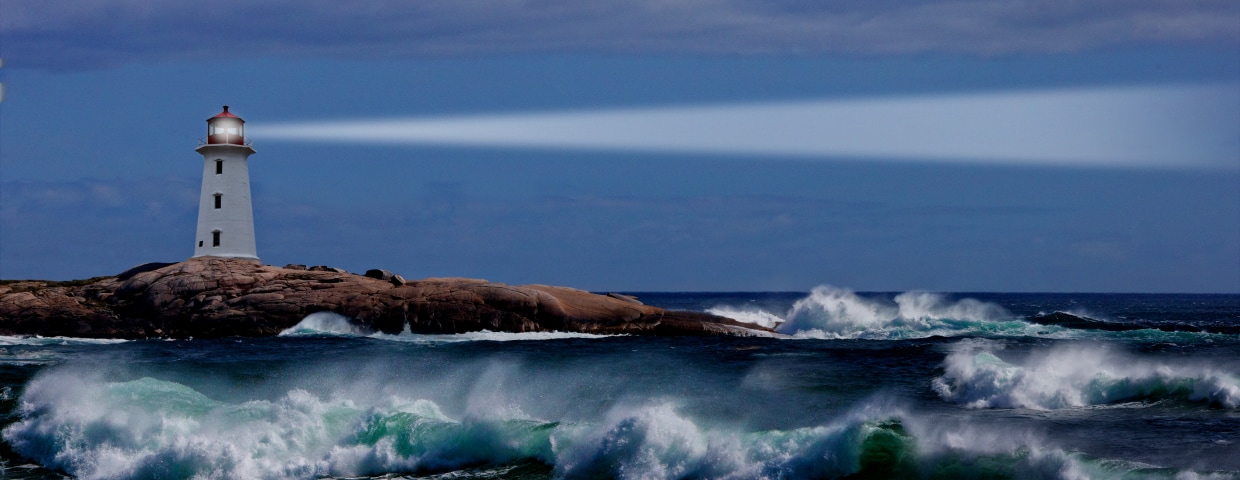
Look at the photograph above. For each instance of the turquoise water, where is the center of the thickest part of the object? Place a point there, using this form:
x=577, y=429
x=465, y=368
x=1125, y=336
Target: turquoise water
x=909, y=385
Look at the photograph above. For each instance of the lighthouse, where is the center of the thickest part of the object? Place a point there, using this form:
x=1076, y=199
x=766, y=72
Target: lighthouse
x=225, y=213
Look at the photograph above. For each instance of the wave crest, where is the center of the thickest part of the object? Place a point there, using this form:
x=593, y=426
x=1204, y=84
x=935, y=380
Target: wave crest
x=755, y=316
x=834, y=313
x=1075, y=376
x=150, y=428
x=326, y=324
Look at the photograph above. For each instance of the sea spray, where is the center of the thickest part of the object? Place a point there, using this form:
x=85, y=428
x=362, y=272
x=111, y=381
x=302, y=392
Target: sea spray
x=151, y=428
x=834, y=313
x=648, y=442
x=752, y=315
x=763, y=408
x=326, y=324
x=830, y=313
x=1076, y=375
x=873, y=441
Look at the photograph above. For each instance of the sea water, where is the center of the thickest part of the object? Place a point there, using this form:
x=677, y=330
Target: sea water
x=873, y=385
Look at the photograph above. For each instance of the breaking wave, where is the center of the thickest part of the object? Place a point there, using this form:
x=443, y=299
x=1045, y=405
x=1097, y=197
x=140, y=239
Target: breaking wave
x=1076, y=376
x=835, y=313
x=151, y=428
x=329, y=324
x=755, y=316
x=326, y=324
x=838, y=313
x=830, y=313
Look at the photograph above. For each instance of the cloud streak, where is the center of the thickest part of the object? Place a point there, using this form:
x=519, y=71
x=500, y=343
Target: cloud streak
x=109, y=32
x=1163, y=127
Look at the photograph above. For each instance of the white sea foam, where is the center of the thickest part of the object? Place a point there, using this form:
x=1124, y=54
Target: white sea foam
x=835, y=313
x=326, y=324
x=331, y=324
x=150, y=428
x=830, y=313
x=1076, y=376
x=752, y=315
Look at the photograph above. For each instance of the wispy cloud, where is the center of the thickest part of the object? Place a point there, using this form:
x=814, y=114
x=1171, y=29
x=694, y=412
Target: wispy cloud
x=1169, y=127
x=107, y=32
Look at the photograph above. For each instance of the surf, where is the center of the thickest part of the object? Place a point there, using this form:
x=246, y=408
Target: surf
x=832, y=313
x=152, y=428
x=1077, y=375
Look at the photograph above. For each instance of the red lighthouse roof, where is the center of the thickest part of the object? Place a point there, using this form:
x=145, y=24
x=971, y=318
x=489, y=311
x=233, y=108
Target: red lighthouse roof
x=226, y=114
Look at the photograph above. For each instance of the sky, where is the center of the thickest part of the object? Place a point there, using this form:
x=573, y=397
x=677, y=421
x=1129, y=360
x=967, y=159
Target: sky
x=641, y=145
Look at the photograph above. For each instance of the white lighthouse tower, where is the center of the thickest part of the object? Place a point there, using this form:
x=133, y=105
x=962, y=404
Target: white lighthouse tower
x=225, y=214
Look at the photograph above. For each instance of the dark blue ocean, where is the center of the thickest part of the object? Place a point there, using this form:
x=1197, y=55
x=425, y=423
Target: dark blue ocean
x=864, y=385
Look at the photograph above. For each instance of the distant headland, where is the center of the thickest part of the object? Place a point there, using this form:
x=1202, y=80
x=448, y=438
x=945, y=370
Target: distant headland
x=212, y=297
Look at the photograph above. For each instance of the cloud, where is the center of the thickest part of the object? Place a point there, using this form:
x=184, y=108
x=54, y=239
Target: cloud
x=109, y=32
x=1166, y=127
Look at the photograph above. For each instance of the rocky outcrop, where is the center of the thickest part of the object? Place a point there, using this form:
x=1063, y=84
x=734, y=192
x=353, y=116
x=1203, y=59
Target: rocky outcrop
x=217, y=297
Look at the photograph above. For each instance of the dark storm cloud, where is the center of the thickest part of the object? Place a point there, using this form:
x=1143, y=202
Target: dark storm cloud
x=60, y=35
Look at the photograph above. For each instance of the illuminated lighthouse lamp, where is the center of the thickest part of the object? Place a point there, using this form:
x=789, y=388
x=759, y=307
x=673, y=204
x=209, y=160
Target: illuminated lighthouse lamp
x=225, y=128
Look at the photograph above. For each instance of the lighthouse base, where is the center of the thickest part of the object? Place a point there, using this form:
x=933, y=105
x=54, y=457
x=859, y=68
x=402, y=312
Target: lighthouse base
x=237, y=257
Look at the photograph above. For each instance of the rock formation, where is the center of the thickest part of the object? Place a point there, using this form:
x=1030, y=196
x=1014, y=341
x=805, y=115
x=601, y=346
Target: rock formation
x=216, y=297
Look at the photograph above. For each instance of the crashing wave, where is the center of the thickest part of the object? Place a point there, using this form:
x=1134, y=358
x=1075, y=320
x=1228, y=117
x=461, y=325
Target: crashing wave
x=330, y=324
x=150, y=428
x=834, y=313
x=1076, y=376
x=830, y=313
x=755, y=316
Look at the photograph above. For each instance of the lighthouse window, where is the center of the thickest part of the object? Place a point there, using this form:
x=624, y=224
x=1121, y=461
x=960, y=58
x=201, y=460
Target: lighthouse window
x=218, y=200
x=215, y=238
x=219, y=167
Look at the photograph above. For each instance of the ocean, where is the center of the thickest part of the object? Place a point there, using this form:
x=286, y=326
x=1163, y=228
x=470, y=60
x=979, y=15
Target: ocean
x=866, y=385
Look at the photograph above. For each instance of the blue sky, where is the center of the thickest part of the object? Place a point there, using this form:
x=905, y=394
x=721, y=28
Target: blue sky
x=1085, y=147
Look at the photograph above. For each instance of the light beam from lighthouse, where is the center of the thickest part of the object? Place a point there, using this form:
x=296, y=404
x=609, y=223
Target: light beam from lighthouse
x=225, y=212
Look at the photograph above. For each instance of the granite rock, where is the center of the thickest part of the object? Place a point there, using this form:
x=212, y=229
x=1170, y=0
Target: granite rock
x=210, y=297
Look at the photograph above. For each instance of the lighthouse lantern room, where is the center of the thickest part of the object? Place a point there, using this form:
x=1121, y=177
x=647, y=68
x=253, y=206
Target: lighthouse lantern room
x=225, y=128
x=225, y=212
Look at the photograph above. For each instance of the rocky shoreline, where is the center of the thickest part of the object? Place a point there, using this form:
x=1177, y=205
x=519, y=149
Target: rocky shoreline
x=211, y=297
